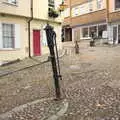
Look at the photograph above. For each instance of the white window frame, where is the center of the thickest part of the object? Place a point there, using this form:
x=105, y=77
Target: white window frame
x=90, y=5
x=115, y=7
x=99, y=4
x=11, y=2
x=14, y=36
x=87, y=7
x=17, y=41
x=81, y=37
x=75, y=11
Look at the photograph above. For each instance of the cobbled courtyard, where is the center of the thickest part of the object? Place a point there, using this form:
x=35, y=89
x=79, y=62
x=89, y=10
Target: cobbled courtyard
x=91, y=86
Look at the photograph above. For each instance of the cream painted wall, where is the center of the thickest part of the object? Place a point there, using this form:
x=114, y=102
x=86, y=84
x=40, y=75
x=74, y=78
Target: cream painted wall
x=23, y=51
x=22, y=8
x=16, y=53
x=41, y=13
x=40, y=9
x=40, y=25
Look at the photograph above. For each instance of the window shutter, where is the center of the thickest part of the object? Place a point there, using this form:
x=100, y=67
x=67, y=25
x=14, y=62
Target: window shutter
x=1, y=41
x=17, y=36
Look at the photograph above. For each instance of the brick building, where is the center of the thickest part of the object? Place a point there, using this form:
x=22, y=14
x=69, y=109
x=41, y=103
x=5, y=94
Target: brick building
x=84, y=18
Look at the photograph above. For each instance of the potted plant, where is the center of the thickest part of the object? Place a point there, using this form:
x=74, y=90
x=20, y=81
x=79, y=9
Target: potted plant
x=53, y=13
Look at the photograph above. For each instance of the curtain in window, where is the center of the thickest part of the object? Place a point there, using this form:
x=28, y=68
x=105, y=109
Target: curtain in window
x=8, y=35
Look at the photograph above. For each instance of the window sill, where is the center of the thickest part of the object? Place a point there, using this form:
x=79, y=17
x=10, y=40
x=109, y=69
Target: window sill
x=9, y=49
x=116, y=10
x=11, y=4
x=85, y=38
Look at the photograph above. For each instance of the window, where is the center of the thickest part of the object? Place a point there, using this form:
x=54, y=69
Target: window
x=12, y=1
x=99, y=4
x=93, y=31
x=67, y=12
x=76, y=11
x=117, y=4
x=8, y=34
x=85, y=32
x=101, y=30
x=90, y=2
x=51, y=3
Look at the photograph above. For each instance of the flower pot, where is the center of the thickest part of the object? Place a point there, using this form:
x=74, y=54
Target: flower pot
x=92, y=43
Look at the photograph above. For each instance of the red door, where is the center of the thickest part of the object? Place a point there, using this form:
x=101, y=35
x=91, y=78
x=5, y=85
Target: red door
x=36, y=43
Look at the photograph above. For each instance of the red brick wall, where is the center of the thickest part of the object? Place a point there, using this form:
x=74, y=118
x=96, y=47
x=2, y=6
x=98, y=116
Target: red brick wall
x=114, y=16
x=67, y=21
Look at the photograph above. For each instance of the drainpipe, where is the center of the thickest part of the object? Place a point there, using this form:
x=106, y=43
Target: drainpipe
x=107, y=17
x=70, y=13
x=29, y=27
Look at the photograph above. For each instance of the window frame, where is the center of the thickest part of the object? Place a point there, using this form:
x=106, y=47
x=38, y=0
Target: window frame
x=9, y=2
x=99, y=4
x=51, y=3
x=12, y=1
x=88, y=27
x=12, y=32
x=116, y=9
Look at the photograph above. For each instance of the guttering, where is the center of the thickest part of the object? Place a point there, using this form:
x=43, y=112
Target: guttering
x=29, y=28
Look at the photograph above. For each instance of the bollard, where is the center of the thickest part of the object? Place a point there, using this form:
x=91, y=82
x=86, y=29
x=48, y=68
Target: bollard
x=76, y=47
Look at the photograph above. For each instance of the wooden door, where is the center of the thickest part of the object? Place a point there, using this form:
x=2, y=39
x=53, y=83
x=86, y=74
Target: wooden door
x=36, y=43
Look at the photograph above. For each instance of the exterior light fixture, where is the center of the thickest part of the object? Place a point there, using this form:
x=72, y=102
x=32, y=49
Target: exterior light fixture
x=62, y=6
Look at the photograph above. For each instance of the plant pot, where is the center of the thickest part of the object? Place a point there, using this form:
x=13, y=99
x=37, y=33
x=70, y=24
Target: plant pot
x=55, y=15
x=92, y=43
x=50, y=14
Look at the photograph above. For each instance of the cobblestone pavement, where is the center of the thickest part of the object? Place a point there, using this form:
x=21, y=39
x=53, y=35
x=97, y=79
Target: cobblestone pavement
x=91, y=85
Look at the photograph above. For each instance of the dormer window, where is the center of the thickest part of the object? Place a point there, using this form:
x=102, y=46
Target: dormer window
x=12, y=1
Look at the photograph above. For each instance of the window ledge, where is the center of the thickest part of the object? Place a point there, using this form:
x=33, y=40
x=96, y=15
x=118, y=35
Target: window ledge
x=87, y=38
x=9, y=49
x=16, y=5
x=116, y=10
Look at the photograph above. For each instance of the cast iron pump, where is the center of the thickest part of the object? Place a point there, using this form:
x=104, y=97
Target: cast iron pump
x=51, y=41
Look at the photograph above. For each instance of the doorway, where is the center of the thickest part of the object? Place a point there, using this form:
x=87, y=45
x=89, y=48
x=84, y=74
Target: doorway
x=115, y=34
x=67, y=34
x=119, y=34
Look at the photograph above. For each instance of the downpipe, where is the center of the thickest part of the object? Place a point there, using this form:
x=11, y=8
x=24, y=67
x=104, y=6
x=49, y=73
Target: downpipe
x=29, y=28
